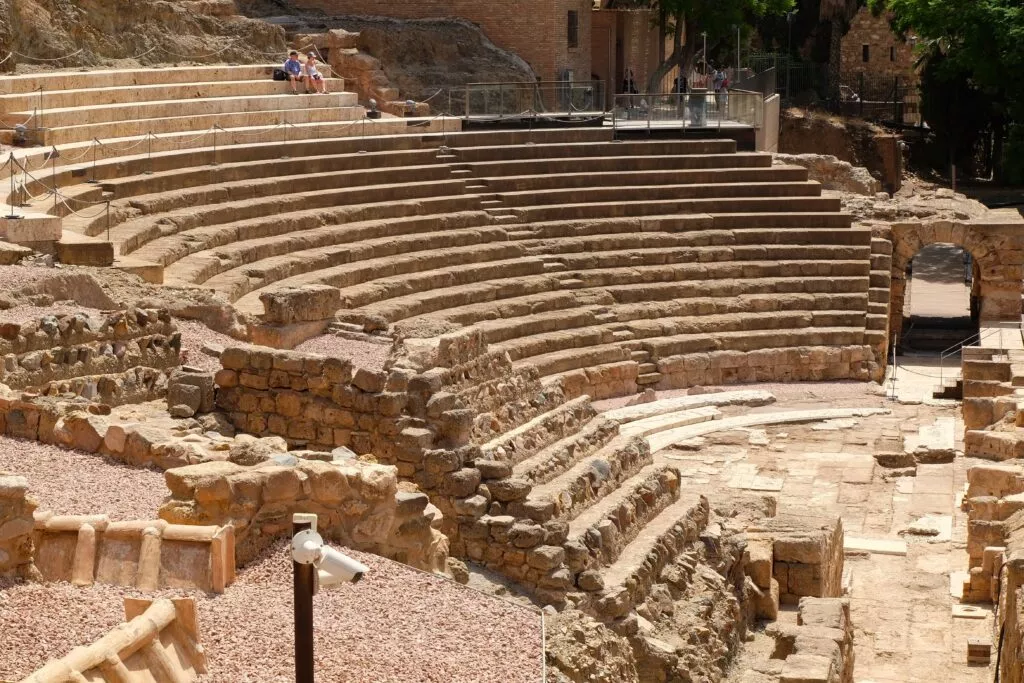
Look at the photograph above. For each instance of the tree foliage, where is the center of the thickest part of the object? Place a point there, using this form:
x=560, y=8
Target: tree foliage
x=973, y=49
x=685, y=20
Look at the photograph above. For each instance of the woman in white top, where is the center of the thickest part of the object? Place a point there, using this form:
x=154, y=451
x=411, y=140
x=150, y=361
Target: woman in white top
x=313, y=76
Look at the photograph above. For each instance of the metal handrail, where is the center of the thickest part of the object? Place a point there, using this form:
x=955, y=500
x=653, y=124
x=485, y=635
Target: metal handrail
x=977, y=337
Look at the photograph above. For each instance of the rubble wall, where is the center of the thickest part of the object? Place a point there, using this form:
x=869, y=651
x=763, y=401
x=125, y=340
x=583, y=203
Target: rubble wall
x=116, y=358
x=357, y=504
x=16, y=509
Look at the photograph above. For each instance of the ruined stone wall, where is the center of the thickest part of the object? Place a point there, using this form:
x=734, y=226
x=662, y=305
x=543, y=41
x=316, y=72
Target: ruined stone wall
x=360, y=505
x=16, y=509
x=818, y=648
x=805, y=363
x=791, y=557
x=116, y=358
x=536, y=30
x=1009, y=621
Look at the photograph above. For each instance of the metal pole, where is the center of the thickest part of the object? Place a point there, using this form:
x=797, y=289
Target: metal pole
x=95, y=143
x=10, y=164
x=40, y=123
x=108, y=220
x=53, y=178
x=737, y=52
x=303, y=587
x=215, y=127
x=149, y=153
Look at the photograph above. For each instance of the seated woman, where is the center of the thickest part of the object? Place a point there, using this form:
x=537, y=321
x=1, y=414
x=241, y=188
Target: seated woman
x=314, y=79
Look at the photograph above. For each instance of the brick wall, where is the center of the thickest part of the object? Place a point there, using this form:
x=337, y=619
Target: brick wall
x=536, y=30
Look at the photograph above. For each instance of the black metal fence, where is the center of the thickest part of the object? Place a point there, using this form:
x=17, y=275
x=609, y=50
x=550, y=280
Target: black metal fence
x=890, y=99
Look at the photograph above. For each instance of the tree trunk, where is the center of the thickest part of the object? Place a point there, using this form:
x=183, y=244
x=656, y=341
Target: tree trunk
x=835, y=57
x=683, y=52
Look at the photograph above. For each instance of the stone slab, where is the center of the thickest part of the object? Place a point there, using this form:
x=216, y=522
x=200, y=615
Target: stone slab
x=970, y=612
x=679, y=403
x=30, y=226
x=878, y=546
x=660, y=423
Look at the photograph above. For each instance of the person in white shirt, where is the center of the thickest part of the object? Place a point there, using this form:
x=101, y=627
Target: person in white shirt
x=314, y=78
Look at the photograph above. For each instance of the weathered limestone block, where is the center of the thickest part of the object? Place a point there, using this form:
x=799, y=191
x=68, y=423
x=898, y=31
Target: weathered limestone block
x=807, y=555
x=192, y=389
x=16, y=524
x=309, y=303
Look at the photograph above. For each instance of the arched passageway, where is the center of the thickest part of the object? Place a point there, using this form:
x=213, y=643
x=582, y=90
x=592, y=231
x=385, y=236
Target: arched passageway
x=940, y=307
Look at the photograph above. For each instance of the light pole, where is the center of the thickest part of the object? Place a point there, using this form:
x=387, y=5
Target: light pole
x=789, y=48
x=737, y=52
x=705, y=35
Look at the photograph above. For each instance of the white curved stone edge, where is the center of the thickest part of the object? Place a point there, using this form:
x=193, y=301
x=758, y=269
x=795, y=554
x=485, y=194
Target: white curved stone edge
x=664, y=439
x=672, y=405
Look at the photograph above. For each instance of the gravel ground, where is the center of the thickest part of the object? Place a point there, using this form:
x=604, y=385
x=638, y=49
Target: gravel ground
x=24, y=314
x=73, y=483
x=13, y=278
x=362, y=354
x=40, y=622
x=194, y=335
x=397, y=625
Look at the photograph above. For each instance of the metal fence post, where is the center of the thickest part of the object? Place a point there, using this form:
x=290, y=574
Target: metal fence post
x=861, y=94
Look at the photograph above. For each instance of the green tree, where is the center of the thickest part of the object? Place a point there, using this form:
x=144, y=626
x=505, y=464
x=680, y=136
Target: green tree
x=974, y=47
x=684, y=20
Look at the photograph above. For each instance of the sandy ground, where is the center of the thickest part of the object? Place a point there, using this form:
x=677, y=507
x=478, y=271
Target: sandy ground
x=74, y=483
x=362, y=354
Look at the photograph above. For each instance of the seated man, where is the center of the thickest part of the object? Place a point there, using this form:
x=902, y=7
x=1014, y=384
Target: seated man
x=293, y=67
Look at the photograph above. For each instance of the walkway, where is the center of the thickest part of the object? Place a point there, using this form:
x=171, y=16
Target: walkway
x=901, y=603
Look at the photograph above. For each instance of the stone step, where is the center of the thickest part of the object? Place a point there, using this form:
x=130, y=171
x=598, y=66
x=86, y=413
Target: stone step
x=580, y=195
x=594, y=149
x=615, y=161
x=647, y=367
x=111, y=78
x=741, y=205
x=587, y=482
x=598, y=535
x=648, y=378
x=659, y=423
x=65, y=117
x=626, y=177
x=880, y=245
x=201, y=125
x=534, y=436
x=89, y=97
x=628, y=580
x=561, y=455
x=644, y=411
x=877, y=321
x=878, y=295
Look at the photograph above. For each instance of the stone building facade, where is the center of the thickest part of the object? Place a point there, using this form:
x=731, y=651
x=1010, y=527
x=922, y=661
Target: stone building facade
x=875, y=56
x=553, y=36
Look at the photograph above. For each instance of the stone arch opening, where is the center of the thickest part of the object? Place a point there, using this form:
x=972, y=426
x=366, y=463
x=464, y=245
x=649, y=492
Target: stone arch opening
x=996, y=255
x=940, y=303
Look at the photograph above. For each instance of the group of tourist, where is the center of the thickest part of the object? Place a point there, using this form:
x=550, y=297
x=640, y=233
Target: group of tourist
x=306, y=73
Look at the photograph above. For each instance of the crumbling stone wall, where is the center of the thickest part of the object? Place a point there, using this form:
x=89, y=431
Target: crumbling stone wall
x=1008, y=626
x=818, y=648
x=117, y=358
x=792, y=557
x=993, y=498
x=358, y=504
x=802, y=363
x=16, y=508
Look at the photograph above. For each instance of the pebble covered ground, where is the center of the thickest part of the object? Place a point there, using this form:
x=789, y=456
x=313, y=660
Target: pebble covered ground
x=74, y=483
x=43, y=621
x=24, y=314
x=397, y=625
x=366, y=355
x=194, y=335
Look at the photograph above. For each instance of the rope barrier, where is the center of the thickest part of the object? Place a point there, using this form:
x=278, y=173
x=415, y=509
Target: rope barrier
x=231, y=44
x=81, y=215
x=53, y=59
x=9, y=55
x=124, y=149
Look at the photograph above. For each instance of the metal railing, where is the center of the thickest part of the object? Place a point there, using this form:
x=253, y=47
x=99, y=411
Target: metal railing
x=978, y=337
x=703, y=110
x=503, y=100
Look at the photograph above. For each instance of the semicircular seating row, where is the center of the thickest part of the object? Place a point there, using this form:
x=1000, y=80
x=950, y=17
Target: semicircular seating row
x=573, y=253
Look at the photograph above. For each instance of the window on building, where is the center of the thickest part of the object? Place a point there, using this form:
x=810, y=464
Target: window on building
x=574, y=28
x=865, y=53
x=892, y=53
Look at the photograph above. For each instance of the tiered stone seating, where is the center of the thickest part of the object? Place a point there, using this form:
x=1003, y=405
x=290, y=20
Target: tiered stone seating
x=75, y=107
x=616, y=264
